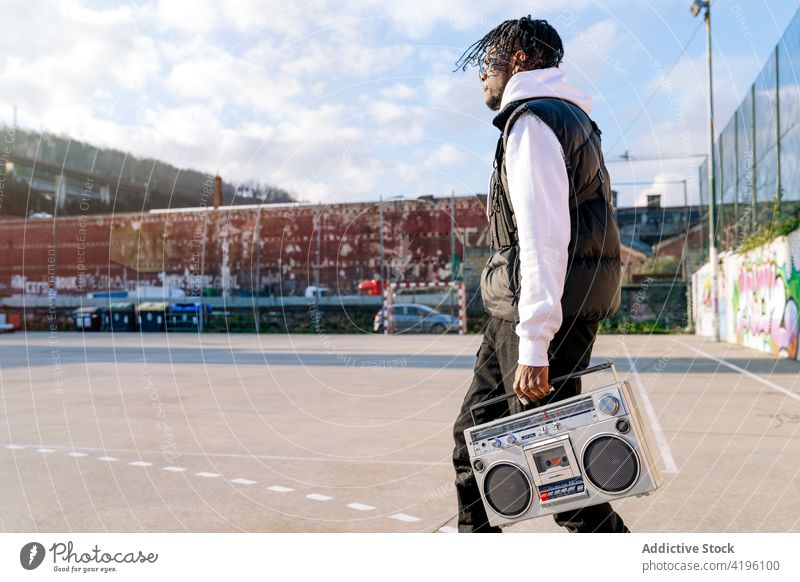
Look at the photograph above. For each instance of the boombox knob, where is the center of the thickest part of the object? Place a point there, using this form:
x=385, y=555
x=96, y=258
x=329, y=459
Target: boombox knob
x=497, y=443
x=623, y=426
x=609, y=404
x=511, y=439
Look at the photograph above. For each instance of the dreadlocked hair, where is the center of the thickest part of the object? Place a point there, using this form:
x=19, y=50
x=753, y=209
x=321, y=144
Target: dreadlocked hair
x=539, y=41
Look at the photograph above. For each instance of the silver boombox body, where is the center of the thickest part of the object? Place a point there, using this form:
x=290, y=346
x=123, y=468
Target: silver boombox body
x=575, y=453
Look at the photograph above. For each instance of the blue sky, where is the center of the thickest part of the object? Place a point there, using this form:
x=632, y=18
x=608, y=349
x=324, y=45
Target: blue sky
x=343, y=101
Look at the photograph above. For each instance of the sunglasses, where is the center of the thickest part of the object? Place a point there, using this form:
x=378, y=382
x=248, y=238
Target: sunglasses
x=488, y=64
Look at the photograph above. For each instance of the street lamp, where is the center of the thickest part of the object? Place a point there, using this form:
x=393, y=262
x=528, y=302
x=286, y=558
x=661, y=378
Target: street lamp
x=695, y=9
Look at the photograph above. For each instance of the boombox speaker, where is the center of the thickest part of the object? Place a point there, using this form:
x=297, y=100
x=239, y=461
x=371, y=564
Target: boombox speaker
x=575, y=453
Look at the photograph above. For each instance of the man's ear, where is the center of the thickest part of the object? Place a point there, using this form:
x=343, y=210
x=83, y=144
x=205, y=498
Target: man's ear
x=520, y=61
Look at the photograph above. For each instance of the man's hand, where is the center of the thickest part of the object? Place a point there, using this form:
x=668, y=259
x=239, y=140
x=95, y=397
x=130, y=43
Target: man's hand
x=530, y=382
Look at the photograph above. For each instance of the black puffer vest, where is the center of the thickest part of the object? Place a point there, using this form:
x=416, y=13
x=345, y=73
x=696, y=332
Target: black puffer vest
x=592, y=285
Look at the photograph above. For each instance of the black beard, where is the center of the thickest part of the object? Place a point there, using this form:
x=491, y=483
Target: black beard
x=493, y=101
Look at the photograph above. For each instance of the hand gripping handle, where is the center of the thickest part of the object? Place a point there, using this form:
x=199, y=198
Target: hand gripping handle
x=559, y=380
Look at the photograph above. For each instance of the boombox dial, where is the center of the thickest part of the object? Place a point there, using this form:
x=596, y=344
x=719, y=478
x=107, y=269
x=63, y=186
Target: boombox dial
x=608, y=404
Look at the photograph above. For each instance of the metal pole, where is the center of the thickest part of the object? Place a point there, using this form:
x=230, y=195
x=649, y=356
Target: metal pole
x=753, y=193
x=736, y=173
x=56, y=204
x=317, y=292
x=452, y=247
x=712, y=194
x=685, y=261
x=700, y=184
x=452, y=234
x=258, y=262
x=258, y=271
x=319, y=244
x=721, y=224
x=203, y=255
x=779, y=192
x=686, y=246
x=383, y=251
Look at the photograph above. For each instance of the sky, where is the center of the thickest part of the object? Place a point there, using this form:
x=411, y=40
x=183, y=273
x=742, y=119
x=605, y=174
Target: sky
x=356, y=100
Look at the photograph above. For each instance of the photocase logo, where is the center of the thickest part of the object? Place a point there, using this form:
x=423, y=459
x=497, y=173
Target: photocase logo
x=31, y=555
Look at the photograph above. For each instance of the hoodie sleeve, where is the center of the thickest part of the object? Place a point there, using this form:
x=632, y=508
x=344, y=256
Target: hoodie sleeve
x=539, y=190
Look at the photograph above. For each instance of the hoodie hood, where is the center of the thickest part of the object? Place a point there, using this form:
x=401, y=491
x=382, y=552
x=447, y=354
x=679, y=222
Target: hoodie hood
x=544, y=83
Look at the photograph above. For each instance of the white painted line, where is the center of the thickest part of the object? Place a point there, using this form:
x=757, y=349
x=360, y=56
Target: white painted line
x=45, y=450
x=318, y=497
x=108, y=459
x=360, y=506
x=15, y=447
x=280, y=489
x=76, y=454
x=266, y=457
x=404, y=517
x=448, y=529
x=207, y=475
x=243, y=481
x=140, y=464
x=174, y=469
x=666, y=453
x=750, y=375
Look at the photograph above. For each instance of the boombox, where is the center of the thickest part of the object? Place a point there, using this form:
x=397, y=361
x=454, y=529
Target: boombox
x=575, y=453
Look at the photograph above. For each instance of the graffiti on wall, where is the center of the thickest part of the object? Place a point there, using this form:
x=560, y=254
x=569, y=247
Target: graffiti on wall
x=765, y=299
x=762, y=294
x=758, y=297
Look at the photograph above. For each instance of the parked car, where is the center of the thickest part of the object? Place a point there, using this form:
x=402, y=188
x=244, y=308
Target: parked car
x=416, y=318
x=312, y=291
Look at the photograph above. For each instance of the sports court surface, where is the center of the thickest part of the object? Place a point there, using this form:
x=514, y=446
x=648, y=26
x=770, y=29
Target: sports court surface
x=352, y=433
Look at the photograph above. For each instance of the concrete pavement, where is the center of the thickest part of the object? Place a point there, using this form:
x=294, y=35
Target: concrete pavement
x=154, y=432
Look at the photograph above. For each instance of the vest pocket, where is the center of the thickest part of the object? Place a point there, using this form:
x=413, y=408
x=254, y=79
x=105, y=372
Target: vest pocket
x=497, y=290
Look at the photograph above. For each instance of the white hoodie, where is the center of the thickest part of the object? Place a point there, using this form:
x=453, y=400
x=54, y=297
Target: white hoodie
x=539, y=191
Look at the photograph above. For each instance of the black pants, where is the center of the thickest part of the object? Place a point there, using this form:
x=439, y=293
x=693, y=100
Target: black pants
x=569, y=351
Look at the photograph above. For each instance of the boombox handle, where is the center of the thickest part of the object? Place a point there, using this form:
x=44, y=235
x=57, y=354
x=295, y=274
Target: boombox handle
x=559, y=380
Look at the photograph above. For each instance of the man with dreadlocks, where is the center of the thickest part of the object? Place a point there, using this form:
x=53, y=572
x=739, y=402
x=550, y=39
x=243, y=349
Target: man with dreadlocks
x=554, y=271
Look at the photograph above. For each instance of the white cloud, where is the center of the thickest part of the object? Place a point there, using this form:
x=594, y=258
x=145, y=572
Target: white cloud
x=327, y=99
x=188, y=125
x=399, y=91
x=594, y=51
x=56, y=64
x=187, y=16
x=445, y=157
x=221, y=78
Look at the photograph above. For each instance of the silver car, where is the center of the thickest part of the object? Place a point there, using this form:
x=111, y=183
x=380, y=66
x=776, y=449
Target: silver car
x=416, y=318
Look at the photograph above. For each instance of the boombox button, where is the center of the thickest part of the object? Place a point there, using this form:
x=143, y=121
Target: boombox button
x=571, y=490
x=543, y=496
x=580, y=489
x=553, y=428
